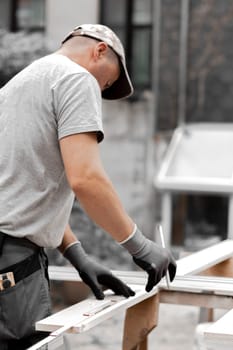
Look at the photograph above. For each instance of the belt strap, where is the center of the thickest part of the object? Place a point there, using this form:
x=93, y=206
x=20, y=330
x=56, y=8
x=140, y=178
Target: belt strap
x=24, y=268
x=2, y=238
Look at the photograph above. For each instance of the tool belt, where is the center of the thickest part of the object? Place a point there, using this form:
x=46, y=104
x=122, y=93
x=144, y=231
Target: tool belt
x=25, y=267
x=20, y=279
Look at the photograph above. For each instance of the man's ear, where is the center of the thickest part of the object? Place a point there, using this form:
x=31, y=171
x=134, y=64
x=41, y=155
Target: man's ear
x=100, y=50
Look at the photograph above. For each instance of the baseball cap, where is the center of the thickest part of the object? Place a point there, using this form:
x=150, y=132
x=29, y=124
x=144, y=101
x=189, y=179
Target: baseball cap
x=122, y=87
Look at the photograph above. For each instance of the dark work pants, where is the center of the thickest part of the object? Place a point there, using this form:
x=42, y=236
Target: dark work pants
x=23, y=344
x=22, y=305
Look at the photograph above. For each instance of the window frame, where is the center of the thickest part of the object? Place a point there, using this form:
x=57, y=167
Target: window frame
x=130, y=28
x=14, y=23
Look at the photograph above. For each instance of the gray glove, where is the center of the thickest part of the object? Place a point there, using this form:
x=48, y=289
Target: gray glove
x=151, y=257
x=94, y=274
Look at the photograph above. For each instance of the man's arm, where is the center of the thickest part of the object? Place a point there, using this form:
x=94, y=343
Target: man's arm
x=68, y=239
x=91, y=185
x=94, y=190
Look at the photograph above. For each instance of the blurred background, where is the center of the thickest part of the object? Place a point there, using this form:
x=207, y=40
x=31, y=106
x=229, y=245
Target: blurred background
x=179, y=56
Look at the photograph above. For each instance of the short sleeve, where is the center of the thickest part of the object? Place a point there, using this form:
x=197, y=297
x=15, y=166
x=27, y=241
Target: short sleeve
x=77, y=105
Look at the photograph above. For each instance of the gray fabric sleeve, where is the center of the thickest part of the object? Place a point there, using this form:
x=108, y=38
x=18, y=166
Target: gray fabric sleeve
x=77, y=105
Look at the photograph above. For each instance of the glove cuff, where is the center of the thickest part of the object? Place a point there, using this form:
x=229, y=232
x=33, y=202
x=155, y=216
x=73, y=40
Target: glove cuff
x=135, y=244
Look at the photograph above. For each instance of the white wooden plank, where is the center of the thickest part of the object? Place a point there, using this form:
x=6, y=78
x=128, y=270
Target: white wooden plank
x=220, y=345
x=82, y=317
x=191, y=264
x=201, y=284
x=64, y=273
x=73, y=314
x=49, y=343
x=202, y=260
x=69, y=273
x=220, y=333
x=91, y=312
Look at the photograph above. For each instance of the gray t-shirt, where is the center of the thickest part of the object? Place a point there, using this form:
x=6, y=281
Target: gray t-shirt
x=51, y=98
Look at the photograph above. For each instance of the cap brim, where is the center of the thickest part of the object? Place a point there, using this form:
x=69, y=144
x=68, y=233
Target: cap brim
x=122, y=88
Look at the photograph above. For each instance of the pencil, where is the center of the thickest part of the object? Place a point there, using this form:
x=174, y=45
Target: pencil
x=163, y=245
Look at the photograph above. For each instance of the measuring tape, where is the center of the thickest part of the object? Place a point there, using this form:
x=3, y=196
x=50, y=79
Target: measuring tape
x=7, y=280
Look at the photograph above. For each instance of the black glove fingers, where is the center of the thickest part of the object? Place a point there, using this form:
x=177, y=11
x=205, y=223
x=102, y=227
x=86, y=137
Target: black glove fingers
x=141, y=263
x=116, y=285
x=172, y=271
x=154, y=276
x=169, y=266
x=123, y=289
x=172, y=267
x=151, y=280
x=94, y=274
x=93, y=284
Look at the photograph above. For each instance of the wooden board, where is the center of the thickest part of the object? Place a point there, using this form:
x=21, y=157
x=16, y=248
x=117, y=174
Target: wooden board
x=204, y=259
x=210, y=285
x=192, y=264
x=90, y=312
x=219, y=335
x=69, y=273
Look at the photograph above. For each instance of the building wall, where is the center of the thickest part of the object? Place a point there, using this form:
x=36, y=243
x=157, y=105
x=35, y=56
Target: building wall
x=4, y=13
x=62, y=16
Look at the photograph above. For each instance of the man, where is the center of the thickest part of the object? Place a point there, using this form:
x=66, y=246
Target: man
x=50, y=126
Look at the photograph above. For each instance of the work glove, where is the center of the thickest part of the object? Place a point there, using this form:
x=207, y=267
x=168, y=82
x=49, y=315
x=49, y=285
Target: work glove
x=94, y=274
x=151, y=257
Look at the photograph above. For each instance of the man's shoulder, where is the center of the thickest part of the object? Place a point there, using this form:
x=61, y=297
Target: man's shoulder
x=59, y=68
x=60, y=63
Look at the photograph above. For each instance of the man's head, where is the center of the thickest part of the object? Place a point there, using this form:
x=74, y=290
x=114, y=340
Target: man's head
x=100, y=51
